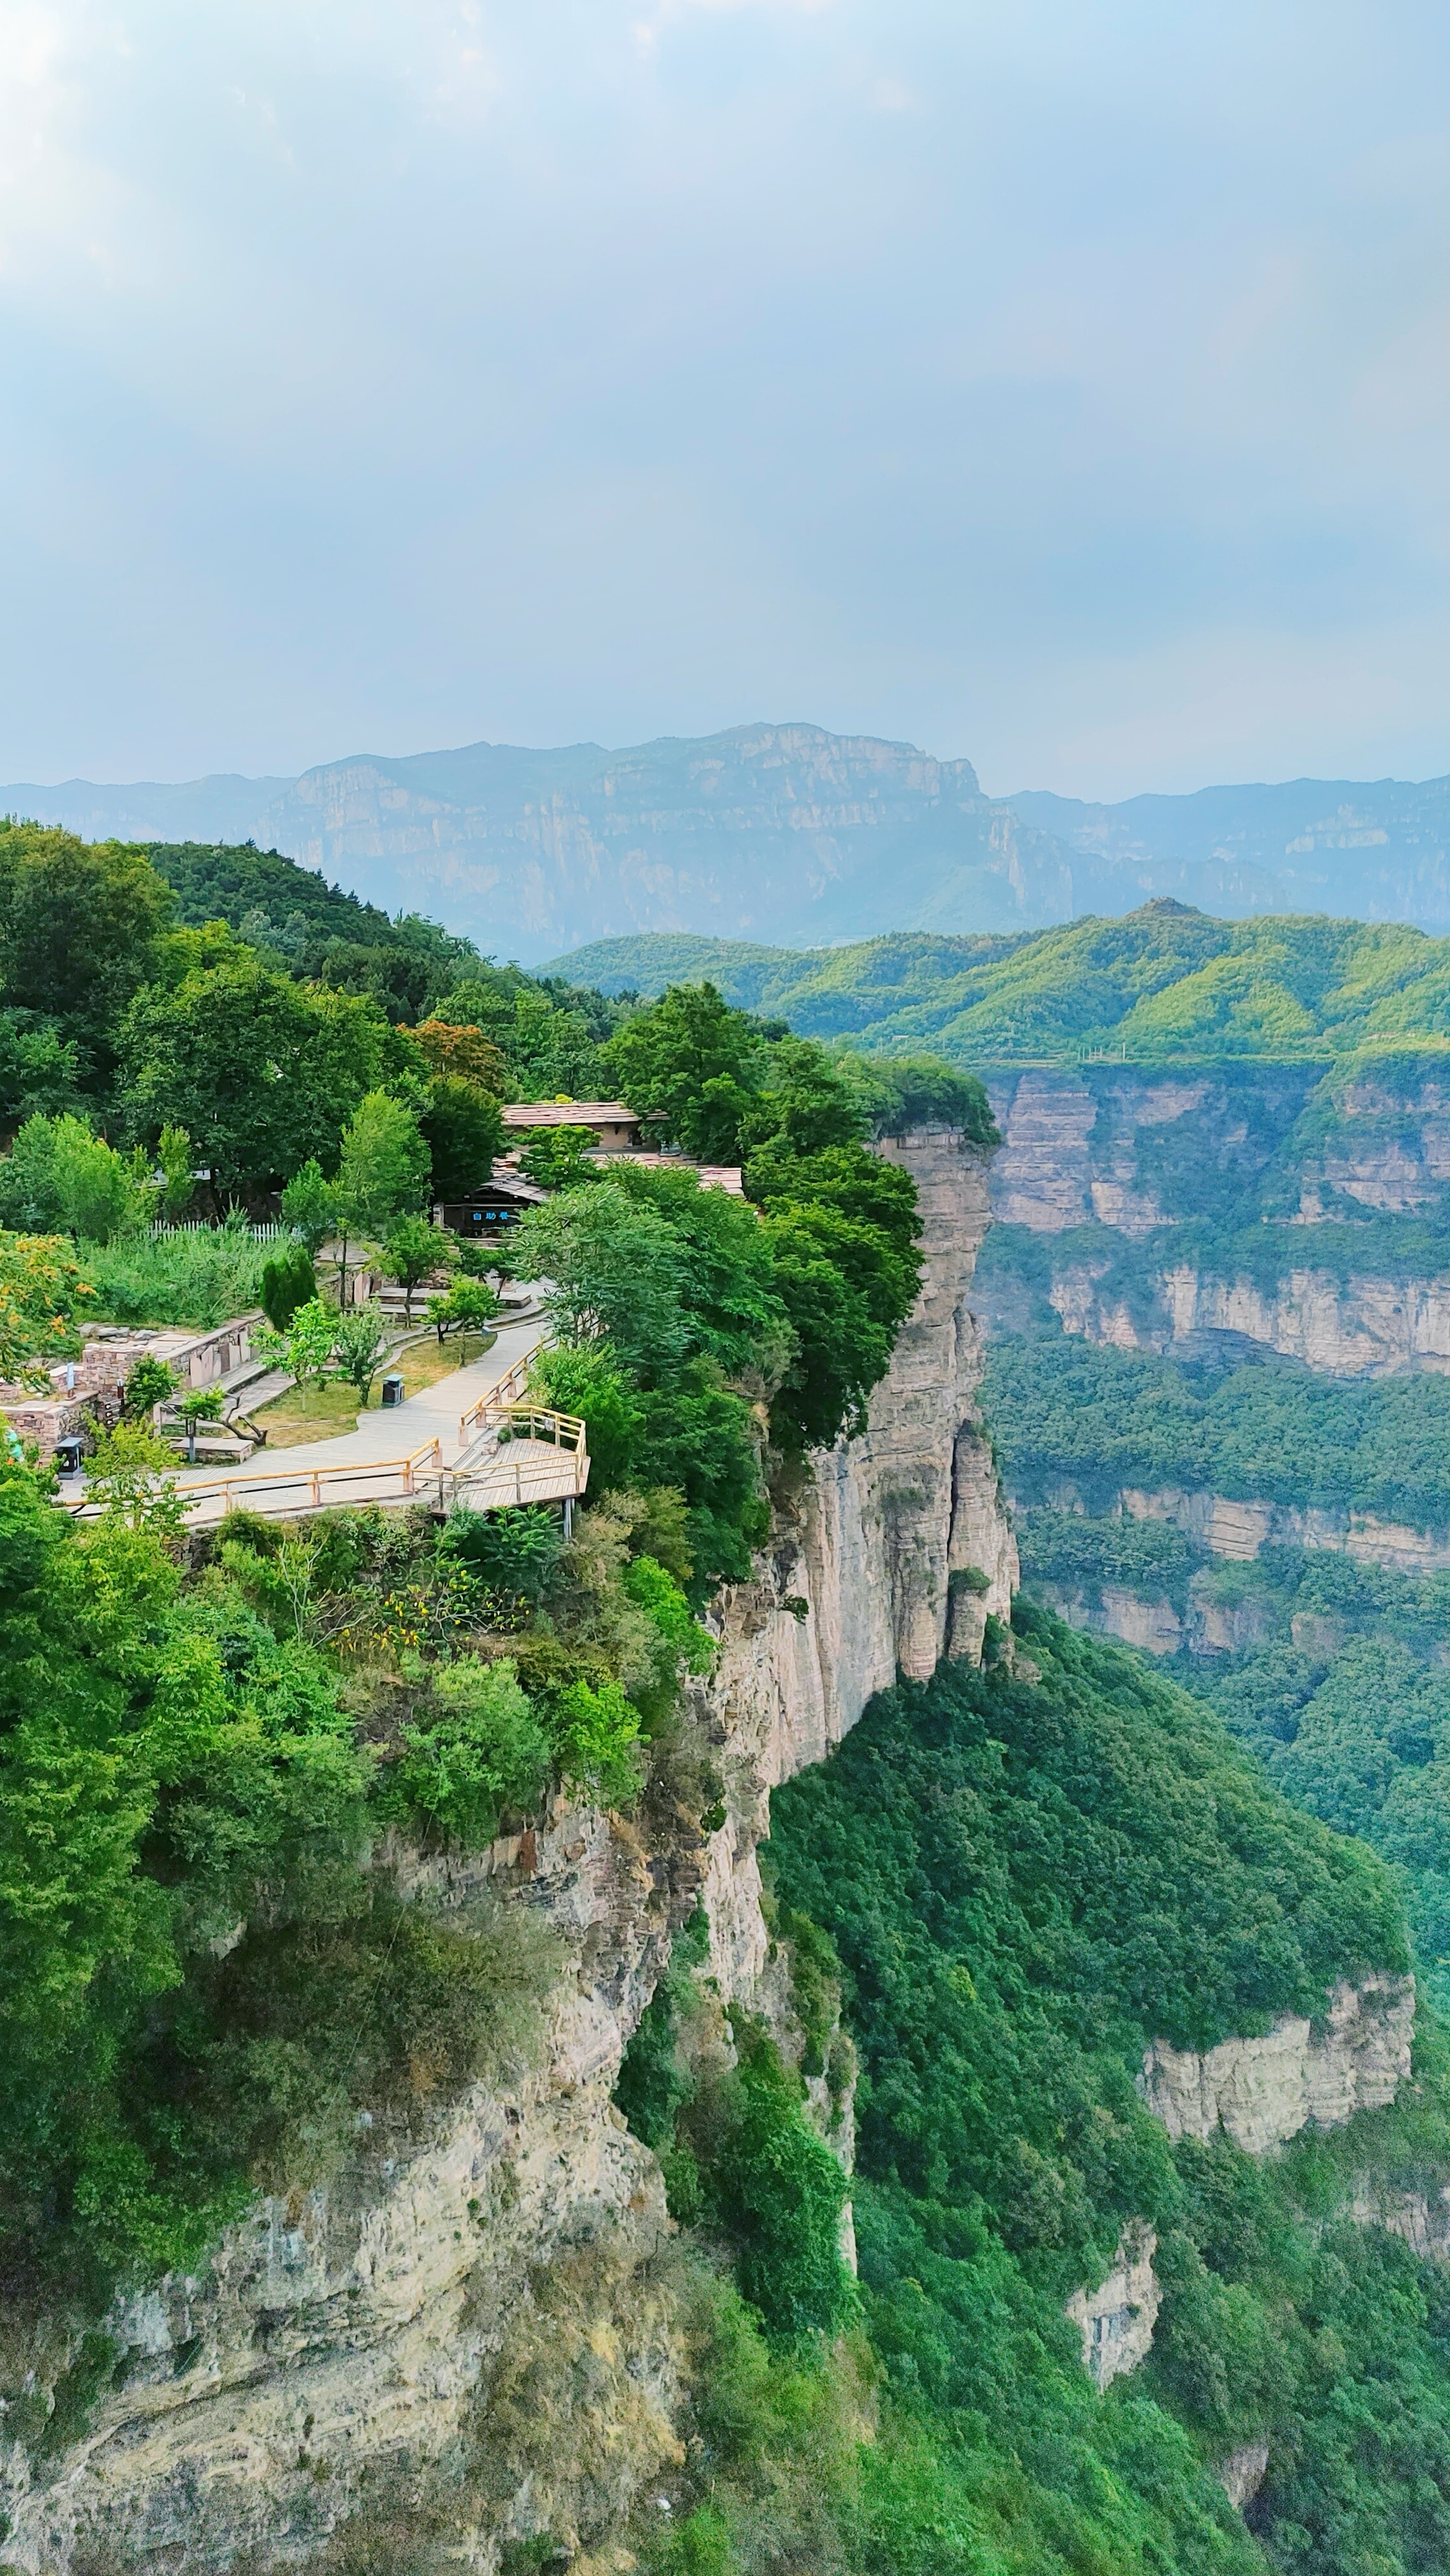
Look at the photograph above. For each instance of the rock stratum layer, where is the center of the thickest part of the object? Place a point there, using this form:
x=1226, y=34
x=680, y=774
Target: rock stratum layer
x=1132, y=1153
x=395, y=2322
x=1264, y=2091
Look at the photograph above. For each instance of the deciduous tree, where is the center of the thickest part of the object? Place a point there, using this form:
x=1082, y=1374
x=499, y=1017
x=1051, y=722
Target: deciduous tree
x=464, y=1052
x=261, y=1071
x=79, y=927
x=695, y=1060
x=414, y=1250
x=464, y=1134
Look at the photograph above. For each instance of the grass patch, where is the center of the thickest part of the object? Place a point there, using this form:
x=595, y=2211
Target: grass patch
x=325, y=1410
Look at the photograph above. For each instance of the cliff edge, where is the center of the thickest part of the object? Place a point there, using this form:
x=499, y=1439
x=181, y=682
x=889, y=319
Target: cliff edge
x=370, y=2335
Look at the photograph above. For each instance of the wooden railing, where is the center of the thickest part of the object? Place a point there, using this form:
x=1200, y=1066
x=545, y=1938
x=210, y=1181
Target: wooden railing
x=301, y=1486
x=509, y=1389
x=492, y=1480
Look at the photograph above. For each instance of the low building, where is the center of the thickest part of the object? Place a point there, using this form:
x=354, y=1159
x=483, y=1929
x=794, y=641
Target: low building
x=615, y=1127
x=487, y=1212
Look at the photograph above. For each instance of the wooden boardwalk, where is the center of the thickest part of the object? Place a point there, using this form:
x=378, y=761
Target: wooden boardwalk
x=506, y=1450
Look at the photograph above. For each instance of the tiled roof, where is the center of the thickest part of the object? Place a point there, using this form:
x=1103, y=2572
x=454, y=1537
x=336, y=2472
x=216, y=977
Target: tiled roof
x=711, y=1176
x=569, y=1113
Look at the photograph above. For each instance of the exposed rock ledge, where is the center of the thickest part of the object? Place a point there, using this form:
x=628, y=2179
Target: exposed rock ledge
x=1242, y=2474
x=1263, y=2091
x=1422, y=2218
x=1116, y=2320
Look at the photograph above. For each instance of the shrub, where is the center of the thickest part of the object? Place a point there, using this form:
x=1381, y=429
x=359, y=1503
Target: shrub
x=477, y=1751
x=58, y=1176
x=665, y=1606
x=515, y=1551
x=586, y=1380
x=778, y=2192
x=149, y=1384
x=288, y=1281
x=595, y=1736
x=469, y=1306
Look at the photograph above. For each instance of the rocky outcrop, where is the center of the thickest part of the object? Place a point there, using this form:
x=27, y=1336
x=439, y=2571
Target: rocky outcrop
x=1357, y=1327
x=1262, y=2091
x=1237, y=1529
x=1422, y=2218
x=1101, y=1144
x=1126, y=1151
x=1242, y=2474
x=351, y=2326
x=859, y=1580
x=390, y=2324
x=1116, y=2320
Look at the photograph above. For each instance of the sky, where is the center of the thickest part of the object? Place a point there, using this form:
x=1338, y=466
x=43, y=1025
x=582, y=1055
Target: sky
x=1061, y=385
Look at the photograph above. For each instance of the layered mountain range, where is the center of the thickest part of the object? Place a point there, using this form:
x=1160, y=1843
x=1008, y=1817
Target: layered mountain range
x=784, y=830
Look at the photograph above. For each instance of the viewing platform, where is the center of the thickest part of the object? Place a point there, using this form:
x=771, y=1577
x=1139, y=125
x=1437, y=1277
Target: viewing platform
x=501, y=1450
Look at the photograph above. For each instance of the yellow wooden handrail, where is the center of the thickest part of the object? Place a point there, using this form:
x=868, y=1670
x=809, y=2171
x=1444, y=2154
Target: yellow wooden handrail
x=255, y=1480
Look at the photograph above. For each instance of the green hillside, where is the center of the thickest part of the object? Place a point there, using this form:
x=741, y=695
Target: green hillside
x=1165, y=983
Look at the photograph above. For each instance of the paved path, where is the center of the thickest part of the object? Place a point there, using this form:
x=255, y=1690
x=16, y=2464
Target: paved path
x=433, y=1415
x=368, y=1465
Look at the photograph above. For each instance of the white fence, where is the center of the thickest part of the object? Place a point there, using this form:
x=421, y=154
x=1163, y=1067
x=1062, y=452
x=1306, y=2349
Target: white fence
x=255, y=1233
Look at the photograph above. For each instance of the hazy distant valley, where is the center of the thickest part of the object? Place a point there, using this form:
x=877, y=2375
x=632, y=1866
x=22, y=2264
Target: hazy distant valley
x=787, y=832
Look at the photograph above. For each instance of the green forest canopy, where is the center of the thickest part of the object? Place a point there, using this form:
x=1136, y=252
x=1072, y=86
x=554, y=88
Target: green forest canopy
x=1023, y=1883
x=1270, y=1429
x=1165, y=982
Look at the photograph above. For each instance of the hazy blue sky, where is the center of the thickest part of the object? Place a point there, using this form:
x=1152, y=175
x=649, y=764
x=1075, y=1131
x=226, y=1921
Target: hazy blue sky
x=1058, y=382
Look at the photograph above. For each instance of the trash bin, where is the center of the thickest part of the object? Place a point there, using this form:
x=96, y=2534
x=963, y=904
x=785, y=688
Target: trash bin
x=392, y=1390
x=68, y=1454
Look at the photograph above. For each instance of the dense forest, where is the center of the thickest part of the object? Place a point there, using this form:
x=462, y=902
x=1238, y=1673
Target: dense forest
x=1010, y=1883
x=1331, y=1670
x=1163, y=984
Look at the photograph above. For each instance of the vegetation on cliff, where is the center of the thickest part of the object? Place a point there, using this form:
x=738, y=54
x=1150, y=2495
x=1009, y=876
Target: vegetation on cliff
x=1064, y=1407
x=1021, y=1882
x=1329, y=1669
x=1025, y=1882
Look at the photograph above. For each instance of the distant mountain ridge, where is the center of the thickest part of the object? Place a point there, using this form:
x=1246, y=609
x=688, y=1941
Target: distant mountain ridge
x=1165, y=985
x=786, y=832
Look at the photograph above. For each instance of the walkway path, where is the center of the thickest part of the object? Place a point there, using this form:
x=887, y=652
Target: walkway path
x=434, y=1414
x=408, y=1452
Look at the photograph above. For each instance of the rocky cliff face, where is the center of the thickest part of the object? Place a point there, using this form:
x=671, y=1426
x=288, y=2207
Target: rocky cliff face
x=1116, y=2320
x=1356, y=1327
x=1129, y=1153
x=492, y=2301
x=859, y=1580
x=1262, y=2091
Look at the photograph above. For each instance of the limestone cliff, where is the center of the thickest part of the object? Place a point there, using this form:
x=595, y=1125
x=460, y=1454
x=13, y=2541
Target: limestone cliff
x=1116, y=1154
x=1116, y=2320
x=1361, y=1326
x=389, y=2328
x=1262, y=2091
